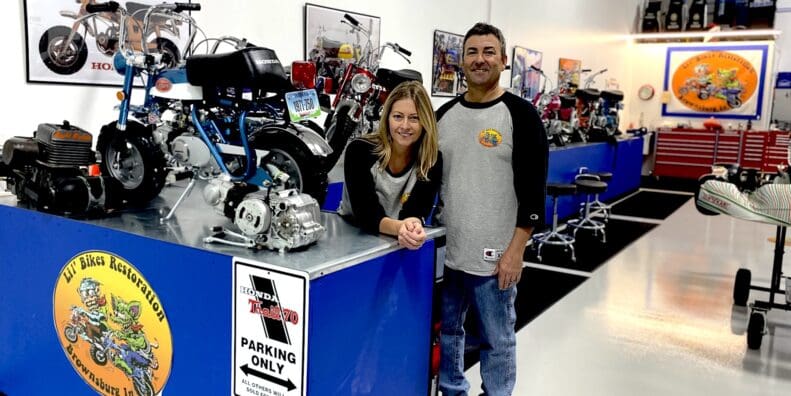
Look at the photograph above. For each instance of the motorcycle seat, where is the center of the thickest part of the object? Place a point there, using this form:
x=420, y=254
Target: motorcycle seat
x=567, y=101
x=391, y=78
x=252, y=67
x=587, y=94
x=612, y=95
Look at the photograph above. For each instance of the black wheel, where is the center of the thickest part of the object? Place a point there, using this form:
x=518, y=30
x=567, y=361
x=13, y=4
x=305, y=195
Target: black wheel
x=755, y=330
x=340, y=129
x=683, y=91
x=70, y=333
x=143, y=386
x=289, y=154
x=698, y=206
x=98, y=356
x=132, y=158
x=734, y=102
x=169, y=50
x=57, y=55
x=741, y=287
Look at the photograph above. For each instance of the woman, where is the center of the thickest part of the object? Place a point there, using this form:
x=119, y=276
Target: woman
x=392, y=175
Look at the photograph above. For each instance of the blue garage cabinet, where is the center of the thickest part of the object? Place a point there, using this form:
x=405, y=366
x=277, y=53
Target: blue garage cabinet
x=127, y=305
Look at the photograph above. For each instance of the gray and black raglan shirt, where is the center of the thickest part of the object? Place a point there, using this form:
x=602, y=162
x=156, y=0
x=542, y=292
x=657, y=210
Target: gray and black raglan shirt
x=494, y=178
x=371, y=193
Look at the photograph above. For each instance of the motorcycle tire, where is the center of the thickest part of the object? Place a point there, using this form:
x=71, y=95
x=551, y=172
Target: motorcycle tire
x=143, y=386
x=64, y=65
x=734, y=103
x=289, y=154
x=70, y=333
x=132, y=158
x=338, y=132
x=98, y=356
x=169, y=49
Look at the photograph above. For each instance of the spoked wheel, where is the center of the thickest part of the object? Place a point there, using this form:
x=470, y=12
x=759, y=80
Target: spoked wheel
x=132, y=158
x=59, y=55
x=290, y=155
x=741, y=287
x=755, y=329
x=70, y=333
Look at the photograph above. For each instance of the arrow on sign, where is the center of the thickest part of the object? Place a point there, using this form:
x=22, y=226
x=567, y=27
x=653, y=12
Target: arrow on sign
x=287, y=384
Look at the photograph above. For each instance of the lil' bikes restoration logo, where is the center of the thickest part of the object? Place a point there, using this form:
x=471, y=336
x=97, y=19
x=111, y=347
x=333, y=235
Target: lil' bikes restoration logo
x=112, y=326
x=714, y=81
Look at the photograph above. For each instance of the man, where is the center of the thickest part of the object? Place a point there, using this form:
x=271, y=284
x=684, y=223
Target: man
x=494, y=192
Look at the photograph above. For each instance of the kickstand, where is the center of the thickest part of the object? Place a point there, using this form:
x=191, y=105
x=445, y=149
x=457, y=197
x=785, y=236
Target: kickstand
x=226, y=236
x=181, y=198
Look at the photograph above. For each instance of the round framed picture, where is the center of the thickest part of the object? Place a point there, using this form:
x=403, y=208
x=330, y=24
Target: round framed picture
x=645, y=92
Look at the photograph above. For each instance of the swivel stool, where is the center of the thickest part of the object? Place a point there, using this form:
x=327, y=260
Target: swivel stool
x=553, y=237
x=597, y=206
x=585, y=221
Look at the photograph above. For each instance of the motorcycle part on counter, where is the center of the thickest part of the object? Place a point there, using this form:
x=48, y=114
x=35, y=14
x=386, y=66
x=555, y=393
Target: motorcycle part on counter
x=49, y=171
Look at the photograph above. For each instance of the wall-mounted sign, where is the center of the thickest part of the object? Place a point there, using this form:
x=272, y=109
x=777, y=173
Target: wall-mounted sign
x=715, y=80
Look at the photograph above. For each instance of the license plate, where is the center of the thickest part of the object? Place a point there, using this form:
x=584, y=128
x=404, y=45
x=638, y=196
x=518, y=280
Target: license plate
x=303, y=105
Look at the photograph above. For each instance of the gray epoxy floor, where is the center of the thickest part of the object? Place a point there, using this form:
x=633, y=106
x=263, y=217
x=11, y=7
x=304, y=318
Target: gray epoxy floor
x=658, y=319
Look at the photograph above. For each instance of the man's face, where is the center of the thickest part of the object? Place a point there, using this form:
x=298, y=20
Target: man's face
x=483, y=61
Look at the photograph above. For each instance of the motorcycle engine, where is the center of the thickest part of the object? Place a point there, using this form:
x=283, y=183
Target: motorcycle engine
x=191, y=151
x=47, y=170
x=280, y=220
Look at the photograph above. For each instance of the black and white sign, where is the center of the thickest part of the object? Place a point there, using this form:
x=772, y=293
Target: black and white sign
x=270, y=306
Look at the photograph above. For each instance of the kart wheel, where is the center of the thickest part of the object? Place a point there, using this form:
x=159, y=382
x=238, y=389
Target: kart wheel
x=340, y=129
x=70, y=333
x=61, y=58
x=741, y=287
x=170, y=50
x=698, y=206
x=755, y=330
x=98, y=356
x=289, y=154
x=132, y=158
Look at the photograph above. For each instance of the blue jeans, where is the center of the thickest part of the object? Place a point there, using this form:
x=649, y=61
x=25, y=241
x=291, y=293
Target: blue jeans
x=496, y=319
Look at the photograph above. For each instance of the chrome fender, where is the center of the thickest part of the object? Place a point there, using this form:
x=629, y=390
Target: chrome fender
x=313, y=141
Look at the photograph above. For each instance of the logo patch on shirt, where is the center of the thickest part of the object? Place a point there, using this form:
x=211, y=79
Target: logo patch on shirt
x=489, y=138
x=404, y=198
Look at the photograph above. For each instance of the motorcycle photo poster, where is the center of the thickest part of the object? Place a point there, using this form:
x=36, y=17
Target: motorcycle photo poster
x=66, y=44
x=569, y=71
x=331, y=42
x=524, y=79
x=447, y=76
x=721, y=81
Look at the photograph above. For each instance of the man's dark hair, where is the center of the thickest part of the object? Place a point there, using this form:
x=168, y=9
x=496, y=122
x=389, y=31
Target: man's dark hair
x=482, y=29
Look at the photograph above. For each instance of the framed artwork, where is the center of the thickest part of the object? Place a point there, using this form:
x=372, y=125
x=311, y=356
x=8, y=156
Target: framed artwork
x=722, y=81
x=568, y=75
x=447, y=76
x=524, y=80
x=61, y=53
x=332, y=43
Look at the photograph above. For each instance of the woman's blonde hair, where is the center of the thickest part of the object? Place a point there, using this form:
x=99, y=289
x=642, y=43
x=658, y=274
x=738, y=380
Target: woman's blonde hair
x=428, y=144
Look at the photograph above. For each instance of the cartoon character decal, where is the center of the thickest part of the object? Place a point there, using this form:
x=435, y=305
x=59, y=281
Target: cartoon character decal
x=132, y=332
x=489, y=138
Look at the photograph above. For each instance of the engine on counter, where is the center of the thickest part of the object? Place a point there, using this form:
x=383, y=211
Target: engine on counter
x=49, y=171
x=276, y=220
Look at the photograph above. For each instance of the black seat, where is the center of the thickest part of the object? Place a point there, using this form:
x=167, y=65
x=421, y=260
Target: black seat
x=390, y=78
x=567, y=101
x=252, y=67
x=590, y=186
x=612, y=95
x=558, y=189
x=587, y=94
x=604, y=176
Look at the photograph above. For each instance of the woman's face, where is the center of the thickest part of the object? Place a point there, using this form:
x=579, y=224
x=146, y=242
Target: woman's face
x=405, y=127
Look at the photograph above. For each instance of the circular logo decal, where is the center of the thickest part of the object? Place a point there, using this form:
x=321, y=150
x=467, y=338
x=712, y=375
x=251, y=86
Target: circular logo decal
x=714, y=81
x=112, y=326
x=489, y=138
x=163, y=85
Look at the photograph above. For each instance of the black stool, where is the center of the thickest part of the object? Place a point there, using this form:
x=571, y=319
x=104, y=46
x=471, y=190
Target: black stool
x=599, y=207
x=589, y=188
x=553, y=237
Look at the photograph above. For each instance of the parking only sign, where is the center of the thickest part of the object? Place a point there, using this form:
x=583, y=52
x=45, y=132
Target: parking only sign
x=270, y=306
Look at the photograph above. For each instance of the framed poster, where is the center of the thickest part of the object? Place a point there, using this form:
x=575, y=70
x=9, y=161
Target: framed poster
x=568, y=75
x=722, y=81
x=447, y=76
x=525, y=80
x=62, y=52
x=332, y=42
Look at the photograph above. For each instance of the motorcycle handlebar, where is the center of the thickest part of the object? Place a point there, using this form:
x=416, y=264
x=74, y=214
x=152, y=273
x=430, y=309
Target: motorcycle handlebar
x=187, y=7
x=109, y=6
x=585, y=71
x=351, y=19
x=403, y=50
